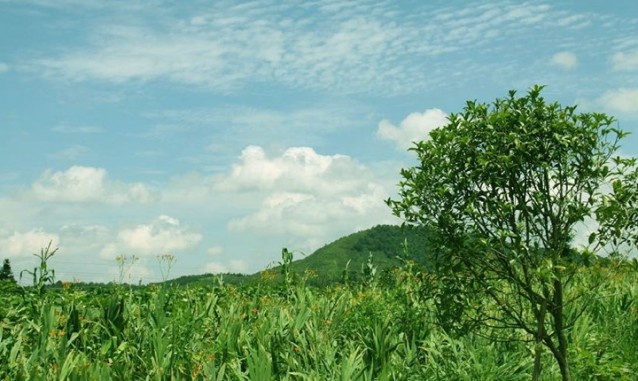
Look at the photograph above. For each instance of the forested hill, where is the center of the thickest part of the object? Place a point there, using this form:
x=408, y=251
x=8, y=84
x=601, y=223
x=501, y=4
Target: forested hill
x=385, y=242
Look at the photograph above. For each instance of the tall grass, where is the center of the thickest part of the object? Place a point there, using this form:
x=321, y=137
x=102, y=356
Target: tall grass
x=288, y=331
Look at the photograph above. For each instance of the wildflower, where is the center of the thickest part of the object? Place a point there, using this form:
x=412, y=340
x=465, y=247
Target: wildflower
x=196, y=370
x=254, y=310
x=56, y=333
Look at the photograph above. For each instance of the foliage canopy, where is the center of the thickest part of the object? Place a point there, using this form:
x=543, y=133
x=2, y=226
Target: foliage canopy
x=504, y=187
x=6, y=273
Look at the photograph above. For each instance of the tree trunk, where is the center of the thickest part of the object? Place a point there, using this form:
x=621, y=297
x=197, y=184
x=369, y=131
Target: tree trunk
x=559, y=327
x=540, y=335
x=538, y=350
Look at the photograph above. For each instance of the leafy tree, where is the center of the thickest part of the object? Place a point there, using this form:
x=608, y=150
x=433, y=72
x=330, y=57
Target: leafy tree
x=504, y=188
x=6, y=273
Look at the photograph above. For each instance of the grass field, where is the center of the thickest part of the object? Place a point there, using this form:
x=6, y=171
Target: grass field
x=379, y=328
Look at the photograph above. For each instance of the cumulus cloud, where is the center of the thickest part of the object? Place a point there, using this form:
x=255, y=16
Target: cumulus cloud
x=625, y=61
x=163, y=235
x=565, y=60
x=24, y=244
x=623, y=100
x=305, y=196
x=77, y=184
x=415, y=127
x=87, y=184
x=298, y=168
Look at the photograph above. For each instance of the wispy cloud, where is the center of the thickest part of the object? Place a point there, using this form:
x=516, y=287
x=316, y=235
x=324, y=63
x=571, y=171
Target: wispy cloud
x=230, y=127
x=71, y=153
x=350, y=47
x=162, y=131
x=575, y=21
x=66, y=129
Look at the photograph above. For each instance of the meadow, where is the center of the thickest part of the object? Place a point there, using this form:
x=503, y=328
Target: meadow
x=380, y=326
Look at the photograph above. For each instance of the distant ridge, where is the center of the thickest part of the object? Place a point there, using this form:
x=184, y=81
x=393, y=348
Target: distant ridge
x=384, y=242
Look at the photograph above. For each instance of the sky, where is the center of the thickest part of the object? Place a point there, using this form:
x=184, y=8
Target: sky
x=222, y=131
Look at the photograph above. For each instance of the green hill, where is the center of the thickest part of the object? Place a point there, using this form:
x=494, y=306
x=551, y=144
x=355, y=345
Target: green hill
x=384, y=242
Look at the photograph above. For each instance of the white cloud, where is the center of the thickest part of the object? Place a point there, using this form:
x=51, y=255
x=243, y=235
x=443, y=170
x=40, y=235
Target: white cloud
x=84, y=238
x=138, y=273
x=305, y=196
x=310, y=220
x=352, y=47
x=415, y=127
x=624, y=100
x=4, y=68
x=255, y=170
x=77, y=184
x=25, y=244
x=163, y=235
x=168, y=220
x=181, y=56
x=215, y=251
x=298, y=168
x=575, y=21
x=130, y=272
x=65, y=129
x=233, y=266
x=87, y=184
x=304, y=125
x=162, y=131
x=215, y=268
x=625, y=61
x=565, y=60
x=72, y=3
x=71, y=153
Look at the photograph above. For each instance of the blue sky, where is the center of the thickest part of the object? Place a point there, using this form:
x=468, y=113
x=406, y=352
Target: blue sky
x=222, y=131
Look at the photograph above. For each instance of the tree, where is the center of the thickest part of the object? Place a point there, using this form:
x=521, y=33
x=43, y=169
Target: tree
x=6, y=273
x=504, y=187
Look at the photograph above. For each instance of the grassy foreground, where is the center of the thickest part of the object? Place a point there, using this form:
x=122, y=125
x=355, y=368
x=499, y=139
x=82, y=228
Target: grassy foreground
x=282, y=329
